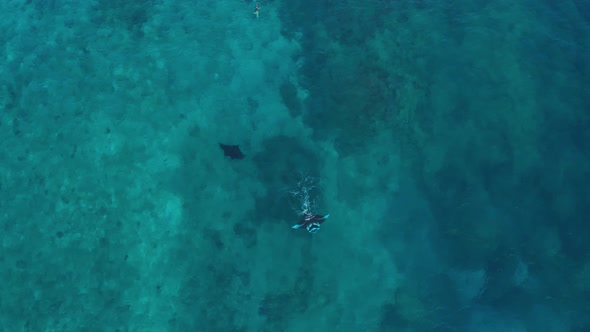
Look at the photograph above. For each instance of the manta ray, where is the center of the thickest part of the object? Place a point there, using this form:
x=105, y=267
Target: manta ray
x=232, y=151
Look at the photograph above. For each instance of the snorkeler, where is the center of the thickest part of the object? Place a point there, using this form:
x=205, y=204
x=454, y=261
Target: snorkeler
x=256, y=10
x=311, y=222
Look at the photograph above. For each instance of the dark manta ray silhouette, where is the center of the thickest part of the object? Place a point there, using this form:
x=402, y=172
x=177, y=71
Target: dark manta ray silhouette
x=232, y=151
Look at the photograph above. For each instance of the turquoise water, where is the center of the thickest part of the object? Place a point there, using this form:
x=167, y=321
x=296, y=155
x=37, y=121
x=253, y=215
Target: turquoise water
x=448, y=141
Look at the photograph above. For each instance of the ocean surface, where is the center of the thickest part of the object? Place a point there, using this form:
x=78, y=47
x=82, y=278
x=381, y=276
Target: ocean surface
x=448, y=140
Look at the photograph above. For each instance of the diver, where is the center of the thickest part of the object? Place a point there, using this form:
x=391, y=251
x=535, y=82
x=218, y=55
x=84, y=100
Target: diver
x=311, y=222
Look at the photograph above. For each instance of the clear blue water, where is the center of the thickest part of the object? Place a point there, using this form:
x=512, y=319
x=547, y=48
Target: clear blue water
x=447, y=140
